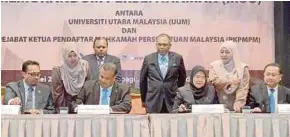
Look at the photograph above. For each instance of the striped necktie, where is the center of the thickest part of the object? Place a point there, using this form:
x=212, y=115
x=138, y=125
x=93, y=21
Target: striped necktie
x=29, y=101
x=100, y=61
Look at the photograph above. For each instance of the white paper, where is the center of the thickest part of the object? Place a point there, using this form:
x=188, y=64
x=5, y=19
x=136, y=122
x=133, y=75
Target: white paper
x=212, y=108
x=283, y=108
x=10, y=109
x=93, y=109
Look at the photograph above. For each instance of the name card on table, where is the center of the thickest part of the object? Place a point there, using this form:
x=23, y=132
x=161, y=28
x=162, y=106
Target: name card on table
x=10, y=109
x=93, y=109
x=284, y=108
x=213, y=108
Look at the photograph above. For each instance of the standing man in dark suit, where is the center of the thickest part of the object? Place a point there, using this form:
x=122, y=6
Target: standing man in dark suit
x=264, y=97
x=105, y=91
x=34, y=97
x=161, y=74
x=100, y=57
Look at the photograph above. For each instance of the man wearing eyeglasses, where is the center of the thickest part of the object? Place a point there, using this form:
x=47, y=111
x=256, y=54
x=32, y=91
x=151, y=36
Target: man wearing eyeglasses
x=34, y=97
x=264, y=97
x=161, y=74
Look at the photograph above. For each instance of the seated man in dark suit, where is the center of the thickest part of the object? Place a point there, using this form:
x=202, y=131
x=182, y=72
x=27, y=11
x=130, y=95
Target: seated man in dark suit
x=264, y=97
x=105, y=91
x=100, y=57
x=34, y=97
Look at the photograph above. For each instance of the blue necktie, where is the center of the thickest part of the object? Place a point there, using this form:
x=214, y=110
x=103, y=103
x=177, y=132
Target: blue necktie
x=272, y=101
x=105, y=96
x=163, y=61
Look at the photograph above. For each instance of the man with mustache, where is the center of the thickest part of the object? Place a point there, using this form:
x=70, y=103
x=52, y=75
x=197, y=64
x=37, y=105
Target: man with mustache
x=161, y=74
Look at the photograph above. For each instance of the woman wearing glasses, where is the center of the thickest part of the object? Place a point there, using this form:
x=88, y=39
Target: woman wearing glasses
x=69, y=78
x=198, y=91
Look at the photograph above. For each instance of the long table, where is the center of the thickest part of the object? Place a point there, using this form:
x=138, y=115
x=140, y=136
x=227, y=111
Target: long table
x=220, y=125
x=75, y=126
x=152, y=125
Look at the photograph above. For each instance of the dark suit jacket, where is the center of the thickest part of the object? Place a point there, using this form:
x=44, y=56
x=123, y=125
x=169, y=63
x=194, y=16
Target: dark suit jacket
x=120, y=100
x=258, y=97
x=185, y=96
x=43, y=96
x=94, y=67
x=154, y=88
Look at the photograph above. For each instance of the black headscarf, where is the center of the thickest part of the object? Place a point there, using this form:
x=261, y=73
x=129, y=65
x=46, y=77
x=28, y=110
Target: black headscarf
x=198, y=92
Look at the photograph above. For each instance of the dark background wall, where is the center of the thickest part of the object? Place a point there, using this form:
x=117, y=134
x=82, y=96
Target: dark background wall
x=282, y=38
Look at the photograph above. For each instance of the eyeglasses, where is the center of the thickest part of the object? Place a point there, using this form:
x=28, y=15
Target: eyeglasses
x=35, y=74
x=163, y=44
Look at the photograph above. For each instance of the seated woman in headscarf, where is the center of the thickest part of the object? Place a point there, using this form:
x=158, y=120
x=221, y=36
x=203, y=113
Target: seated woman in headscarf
x=230, y=77
x=198, y=91
x=68, y=78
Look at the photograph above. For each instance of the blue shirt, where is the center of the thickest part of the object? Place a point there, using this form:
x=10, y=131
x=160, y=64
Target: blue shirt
x=26, y=87
x=101, y=91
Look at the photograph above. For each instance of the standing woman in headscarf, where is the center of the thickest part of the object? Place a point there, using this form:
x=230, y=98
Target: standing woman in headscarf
x=198, y=91
x=230, y=77
x=68, y=79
